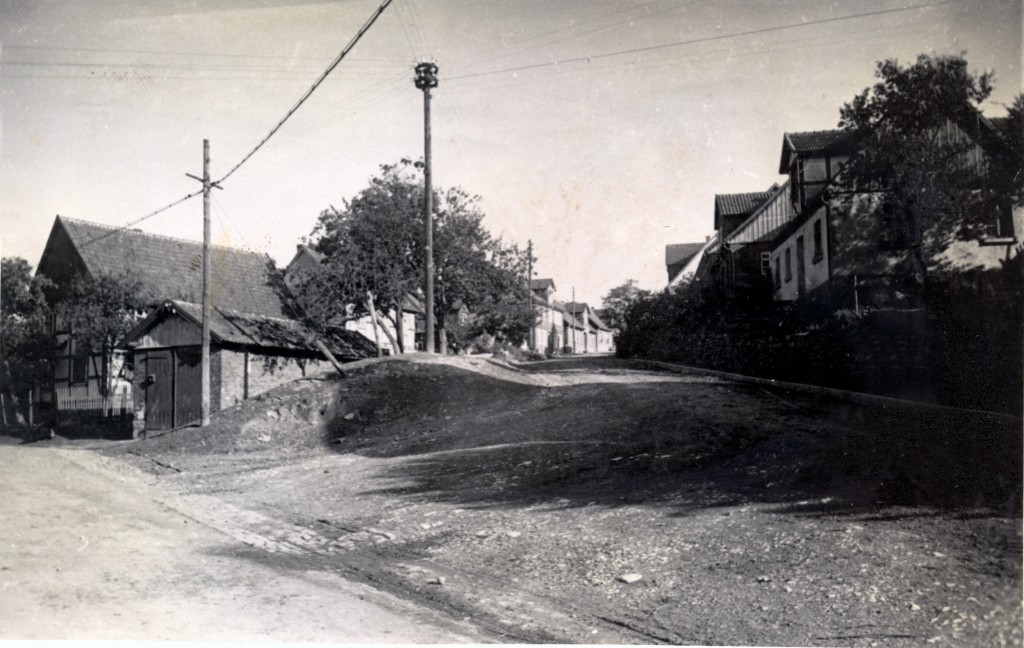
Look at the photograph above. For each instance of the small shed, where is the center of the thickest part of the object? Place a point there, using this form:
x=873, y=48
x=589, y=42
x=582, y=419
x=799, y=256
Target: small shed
x=249, y=354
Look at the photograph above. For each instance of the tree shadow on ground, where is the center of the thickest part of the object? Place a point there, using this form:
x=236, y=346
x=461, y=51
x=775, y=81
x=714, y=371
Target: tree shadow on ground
x=685, y=443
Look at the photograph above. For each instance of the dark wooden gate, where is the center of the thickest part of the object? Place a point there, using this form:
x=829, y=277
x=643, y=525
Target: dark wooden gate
x=187, y=385
x=173, y=387
x=159, y=390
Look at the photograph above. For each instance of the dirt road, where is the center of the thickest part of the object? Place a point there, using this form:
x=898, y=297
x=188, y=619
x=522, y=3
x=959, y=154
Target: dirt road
x=91, y=552
x=594, y=501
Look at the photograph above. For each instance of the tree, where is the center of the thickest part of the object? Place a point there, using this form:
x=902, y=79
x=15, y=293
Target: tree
x=100, y=310
x=374, y=245
x=25, y=344
x=929, y=183
x=617, y=303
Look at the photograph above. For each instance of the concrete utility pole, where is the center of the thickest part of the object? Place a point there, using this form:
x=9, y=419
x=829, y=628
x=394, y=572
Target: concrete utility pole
x=205, y=358
x=426, y=78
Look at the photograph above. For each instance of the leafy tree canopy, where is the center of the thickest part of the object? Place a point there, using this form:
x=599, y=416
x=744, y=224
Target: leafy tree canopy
x=617, y=302
x=25, y=344
x=101, y=310
x=932, y=183
x=374, y=244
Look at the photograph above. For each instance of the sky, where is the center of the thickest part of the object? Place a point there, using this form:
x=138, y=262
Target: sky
x=599, y=130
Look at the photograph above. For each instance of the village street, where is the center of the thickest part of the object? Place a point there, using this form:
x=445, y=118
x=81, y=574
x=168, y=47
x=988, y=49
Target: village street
x=591, y=500
x=89, y=552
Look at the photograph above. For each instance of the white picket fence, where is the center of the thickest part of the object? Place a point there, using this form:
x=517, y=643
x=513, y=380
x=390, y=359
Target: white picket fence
x=114, y=410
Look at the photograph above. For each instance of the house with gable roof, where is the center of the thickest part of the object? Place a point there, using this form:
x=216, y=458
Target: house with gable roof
x=843, y=248
x=549, y=326
x=157, y=364
x=594, y=334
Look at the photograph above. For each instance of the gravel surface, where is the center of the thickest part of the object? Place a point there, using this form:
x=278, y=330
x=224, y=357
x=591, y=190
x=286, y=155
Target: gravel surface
x=590, y=501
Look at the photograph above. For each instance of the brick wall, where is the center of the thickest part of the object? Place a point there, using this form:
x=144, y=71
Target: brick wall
x=231, y=379
x=264, y=373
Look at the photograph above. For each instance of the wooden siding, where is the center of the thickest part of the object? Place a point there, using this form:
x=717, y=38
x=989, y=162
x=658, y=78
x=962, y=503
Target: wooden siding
x=171, y=331
x=765, y=222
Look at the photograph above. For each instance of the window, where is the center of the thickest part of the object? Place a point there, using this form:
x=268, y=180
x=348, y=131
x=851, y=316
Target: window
x=79, y=369
x=778, y=272
x=766, y=264
x=819, y=254
x=789, y=264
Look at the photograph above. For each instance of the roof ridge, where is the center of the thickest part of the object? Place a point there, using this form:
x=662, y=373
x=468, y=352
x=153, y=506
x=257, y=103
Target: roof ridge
x=823, y=130
x=116, y=228
x=234, y=311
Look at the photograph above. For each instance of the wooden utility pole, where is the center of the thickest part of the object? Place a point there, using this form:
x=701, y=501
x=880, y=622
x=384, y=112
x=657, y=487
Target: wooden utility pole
x=574, y=320
x=205, y=357
x=529, y=294
x=206, y=285
x=426, y=78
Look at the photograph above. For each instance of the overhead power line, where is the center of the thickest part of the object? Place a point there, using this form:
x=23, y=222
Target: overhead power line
x=706, y=39
x=139, y=220
x=247, y=55
x=316, y=84
x=330, y=68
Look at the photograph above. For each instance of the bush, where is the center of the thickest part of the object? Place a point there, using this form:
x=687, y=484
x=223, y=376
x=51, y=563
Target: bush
x=963, y=349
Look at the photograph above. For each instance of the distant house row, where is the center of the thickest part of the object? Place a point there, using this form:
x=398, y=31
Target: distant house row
x=566, y=327
x=800, y=240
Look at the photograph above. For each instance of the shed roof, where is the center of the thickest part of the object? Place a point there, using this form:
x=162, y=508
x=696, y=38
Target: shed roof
x=259, y=331
x=169, y=268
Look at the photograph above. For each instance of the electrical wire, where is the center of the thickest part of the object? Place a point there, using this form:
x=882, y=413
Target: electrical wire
x=289, y=57
x=516, y=50
x=693, y=41
x=316, y=84
x=139, y=220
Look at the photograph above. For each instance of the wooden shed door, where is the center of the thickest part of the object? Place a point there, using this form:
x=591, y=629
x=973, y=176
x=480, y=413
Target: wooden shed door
x=159, y=390
x=188, y=385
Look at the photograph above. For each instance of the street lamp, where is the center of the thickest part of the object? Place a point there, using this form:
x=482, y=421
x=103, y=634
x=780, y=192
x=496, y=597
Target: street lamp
x=426, y=78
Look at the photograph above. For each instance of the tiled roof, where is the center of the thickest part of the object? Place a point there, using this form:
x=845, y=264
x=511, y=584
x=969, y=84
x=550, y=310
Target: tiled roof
x=575, y=307
x=572, y=321
x=812, y=143
x=739, y=204
x=595, y=319
x=541, y=284
x=816, y=141
x=172, y=268
x=681, y=253
x=566, y=316
x=303, y=251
